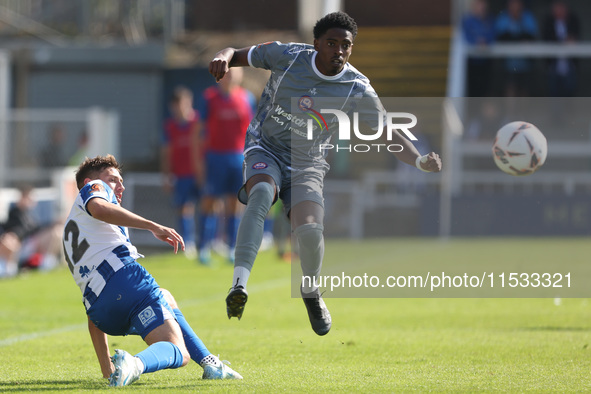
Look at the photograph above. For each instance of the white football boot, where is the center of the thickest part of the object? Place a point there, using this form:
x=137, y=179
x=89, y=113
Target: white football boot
x=213, y=368
x=127, y=369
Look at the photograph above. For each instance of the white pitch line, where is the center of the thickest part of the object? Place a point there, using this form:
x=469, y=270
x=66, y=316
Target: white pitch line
x=269, y=285
x=40, y=334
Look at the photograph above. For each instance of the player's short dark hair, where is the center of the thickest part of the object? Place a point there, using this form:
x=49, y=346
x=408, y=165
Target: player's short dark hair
x=91, y=168
x=180, y=92
x=339, y=20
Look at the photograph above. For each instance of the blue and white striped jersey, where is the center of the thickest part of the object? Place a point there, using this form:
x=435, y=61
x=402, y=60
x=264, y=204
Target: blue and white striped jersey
x=94, y=249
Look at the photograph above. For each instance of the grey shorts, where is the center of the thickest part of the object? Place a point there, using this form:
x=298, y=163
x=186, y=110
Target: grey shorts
x=293, y=185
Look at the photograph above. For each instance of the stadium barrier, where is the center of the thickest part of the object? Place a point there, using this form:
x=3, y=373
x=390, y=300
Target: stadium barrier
x=34, y=142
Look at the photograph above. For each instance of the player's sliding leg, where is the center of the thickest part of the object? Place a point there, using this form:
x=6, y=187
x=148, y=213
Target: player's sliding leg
x=171, y=345
x=307, y=218
x=166, y=350
x=213, y=368
x=128, y=369
x=248, y=242
x=193, y=343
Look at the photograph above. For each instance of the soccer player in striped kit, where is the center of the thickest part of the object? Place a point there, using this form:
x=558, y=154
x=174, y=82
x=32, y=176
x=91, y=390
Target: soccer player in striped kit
x=119, y=295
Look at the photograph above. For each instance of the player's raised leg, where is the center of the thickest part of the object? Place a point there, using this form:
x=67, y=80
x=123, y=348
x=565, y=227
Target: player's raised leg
x=153, y=319
x=260, y=189
x=307, y=222
x=213, y=368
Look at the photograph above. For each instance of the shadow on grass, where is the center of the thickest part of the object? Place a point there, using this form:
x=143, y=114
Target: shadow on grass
x=51, y=385
x=96, y=385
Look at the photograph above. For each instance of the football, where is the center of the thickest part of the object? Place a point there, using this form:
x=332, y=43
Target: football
x=520, y=148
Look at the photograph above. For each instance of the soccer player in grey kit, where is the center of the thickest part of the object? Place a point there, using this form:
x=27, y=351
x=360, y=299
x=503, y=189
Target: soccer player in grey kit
x=297, y=71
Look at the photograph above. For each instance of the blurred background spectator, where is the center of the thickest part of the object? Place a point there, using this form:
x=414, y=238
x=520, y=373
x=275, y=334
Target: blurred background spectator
x=561, y=26
x=82, y=150
x=24, y=243
x=516, y=24
x=9, y=247
x=52, y=154
x=478, y=30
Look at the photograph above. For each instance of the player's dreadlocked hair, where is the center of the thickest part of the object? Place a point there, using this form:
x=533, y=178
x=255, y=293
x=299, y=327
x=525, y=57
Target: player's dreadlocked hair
x=335, y=19
x=91, y=168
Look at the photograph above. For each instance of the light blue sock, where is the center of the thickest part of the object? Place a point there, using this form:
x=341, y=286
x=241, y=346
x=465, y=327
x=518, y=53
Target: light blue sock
x=194, y=344
x=160, y=355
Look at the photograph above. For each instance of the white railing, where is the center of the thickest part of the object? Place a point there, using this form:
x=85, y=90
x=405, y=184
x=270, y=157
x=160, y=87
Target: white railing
x=531, y=50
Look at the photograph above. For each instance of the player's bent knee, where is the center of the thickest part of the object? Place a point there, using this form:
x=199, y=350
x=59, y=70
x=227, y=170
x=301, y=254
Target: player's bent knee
x=181, y=355
x=186, y=357
x=169, y=298
x=262, y=195
x=310, y=235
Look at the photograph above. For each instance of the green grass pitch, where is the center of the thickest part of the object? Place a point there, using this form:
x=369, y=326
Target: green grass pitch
x=376, y=345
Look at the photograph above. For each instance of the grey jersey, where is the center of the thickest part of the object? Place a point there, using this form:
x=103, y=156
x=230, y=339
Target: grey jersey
x=277, y=127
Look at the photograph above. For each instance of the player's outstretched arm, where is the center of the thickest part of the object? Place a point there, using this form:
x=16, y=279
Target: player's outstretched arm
x=226, y=58
x=101, y=348
x=114, y=214
x=410, y=155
